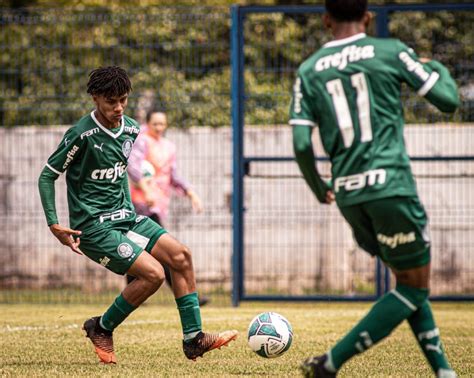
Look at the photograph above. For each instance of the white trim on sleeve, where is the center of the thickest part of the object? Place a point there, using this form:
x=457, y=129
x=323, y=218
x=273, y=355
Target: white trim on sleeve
x=302, y=122
x=54, y=170
x=428, y=84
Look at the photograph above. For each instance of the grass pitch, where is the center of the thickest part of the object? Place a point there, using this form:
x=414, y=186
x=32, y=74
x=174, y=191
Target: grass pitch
x=46, y=340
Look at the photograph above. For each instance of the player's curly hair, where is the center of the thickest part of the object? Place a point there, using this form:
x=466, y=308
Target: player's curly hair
x=111, y=81
x=346, y=10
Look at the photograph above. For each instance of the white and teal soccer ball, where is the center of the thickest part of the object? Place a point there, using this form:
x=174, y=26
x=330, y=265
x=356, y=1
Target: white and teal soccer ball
x=270, y=335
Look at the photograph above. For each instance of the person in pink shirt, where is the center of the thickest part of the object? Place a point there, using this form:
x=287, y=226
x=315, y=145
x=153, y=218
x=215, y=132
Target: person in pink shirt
x=153, y=175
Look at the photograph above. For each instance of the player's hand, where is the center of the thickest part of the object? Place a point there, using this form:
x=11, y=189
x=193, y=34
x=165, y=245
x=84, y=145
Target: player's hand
x=424, y=60
x=330, y=197
x=65, y=236
x=195, y=202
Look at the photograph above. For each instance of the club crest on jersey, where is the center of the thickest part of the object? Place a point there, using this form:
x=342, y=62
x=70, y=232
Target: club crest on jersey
x=125, y=250
x=127, y=147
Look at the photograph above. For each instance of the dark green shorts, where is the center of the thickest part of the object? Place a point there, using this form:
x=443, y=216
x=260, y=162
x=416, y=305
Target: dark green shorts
x=117, y=247
x=396, y=229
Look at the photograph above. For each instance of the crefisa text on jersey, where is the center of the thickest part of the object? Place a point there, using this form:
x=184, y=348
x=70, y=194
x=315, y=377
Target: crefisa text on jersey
x=112, y=174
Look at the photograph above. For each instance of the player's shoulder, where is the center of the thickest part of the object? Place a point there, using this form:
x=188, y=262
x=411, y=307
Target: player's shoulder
x=307, y=67
x=129, y=121
x=82, y=126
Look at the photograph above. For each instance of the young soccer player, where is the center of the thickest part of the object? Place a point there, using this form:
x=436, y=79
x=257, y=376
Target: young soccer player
x=94, y=153
x=350, y=88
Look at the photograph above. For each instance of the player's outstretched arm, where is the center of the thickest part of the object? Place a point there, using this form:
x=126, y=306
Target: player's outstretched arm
x=303, y=147
x=444, y=93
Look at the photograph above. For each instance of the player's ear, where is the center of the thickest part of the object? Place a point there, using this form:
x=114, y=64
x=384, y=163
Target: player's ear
x=327, y=20
x=367, y=19
x=94, y=98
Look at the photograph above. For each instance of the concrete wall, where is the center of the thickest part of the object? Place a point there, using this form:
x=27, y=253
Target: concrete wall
x=293, y=244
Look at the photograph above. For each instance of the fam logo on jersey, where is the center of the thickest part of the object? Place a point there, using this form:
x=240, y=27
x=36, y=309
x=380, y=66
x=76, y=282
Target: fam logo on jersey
x=90, y=132
x=127, y=147
x=111, y=174
x=360, y=180
x=348, y=54
x=125, y=250
x=70, y=155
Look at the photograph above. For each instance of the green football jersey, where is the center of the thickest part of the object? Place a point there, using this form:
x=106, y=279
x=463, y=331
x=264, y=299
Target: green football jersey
x=350, y=88
x=95, y=160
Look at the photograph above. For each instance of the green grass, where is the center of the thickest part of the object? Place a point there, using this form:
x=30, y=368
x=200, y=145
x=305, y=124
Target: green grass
x=46, y=340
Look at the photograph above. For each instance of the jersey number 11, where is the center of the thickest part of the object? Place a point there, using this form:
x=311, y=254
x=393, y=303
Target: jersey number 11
x=343, y=114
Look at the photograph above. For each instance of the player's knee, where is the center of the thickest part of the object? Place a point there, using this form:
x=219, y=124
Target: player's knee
x=155, y=277
x=181, y=259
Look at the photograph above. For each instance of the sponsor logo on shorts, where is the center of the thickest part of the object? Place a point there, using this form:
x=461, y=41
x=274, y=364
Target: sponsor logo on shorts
x=111, y=174
x=127, y=147
x=104, y=261
x=125, y=250
x=70, y=156
x=397, y=239
x=360, y=180
x=116, y=215
x=139, y=218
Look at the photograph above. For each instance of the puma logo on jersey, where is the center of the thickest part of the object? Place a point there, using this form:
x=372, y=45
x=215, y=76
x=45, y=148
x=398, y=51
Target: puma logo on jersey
x=360, y=180
x=348, y=54
x=99, y=147
x=111, y=174
x=397, y=239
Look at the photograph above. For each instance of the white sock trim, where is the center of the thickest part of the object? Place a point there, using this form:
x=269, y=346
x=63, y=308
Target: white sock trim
x=446, y=373
x=102, y=325
x=190, y=336
x=405, y=301
x=329, y=364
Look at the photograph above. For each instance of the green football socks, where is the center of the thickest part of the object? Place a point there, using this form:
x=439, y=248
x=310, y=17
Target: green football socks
x=427, y=335
x=386, y=314
x=116, y=313
x=190, y=314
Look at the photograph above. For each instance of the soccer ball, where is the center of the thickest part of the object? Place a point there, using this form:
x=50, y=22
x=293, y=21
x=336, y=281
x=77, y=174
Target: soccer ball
x=270, y=335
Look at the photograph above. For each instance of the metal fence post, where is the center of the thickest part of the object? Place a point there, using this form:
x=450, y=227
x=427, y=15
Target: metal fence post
x=237, y=90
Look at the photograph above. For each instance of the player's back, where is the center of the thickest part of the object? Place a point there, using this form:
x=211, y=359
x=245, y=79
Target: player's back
x=351, y=89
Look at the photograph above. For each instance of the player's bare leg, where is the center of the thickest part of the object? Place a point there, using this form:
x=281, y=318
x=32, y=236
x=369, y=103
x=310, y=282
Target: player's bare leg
x=168, y=251
x=149, y=277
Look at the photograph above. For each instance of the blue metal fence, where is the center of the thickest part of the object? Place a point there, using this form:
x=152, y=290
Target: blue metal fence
x=244, y=162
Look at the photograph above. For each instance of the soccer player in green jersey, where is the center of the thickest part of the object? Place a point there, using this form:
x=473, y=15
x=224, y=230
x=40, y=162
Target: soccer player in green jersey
x=104, y=226
x=350, y=89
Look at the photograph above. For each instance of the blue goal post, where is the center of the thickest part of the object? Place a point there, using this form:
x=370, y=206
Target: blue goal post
x=271, y=208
